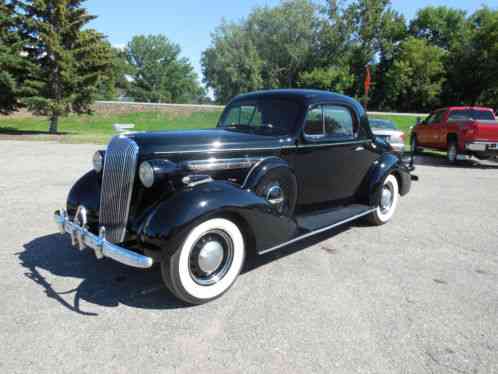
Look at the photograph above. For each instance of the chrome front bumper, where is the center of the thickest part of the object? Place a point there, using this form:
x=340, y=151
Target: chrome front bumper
x=81, y=237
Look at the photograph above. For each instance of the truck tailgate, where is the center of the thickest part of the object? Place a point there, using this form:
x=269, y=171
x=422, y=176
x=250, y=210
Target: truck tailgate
x=487, y=130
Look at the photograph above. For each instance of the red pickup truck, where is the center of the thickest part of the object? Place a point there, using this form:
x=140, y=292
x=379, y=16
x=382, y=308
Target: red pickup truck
x=460, y=131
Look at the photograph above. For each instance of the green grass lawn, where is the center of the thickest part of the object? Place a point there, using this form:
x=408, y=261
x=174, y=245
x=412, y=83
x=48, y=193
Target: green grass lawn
x=98, y=128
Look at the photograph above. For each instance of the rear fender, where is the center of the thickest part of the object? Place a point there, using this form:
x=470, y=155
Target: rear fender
x=387, y=164
x=167, y=225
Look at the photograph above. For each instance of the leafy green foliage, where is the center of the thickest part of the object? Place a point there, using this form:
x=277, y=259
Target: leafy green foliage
x=267, y=50
x=158, y=72
x=417, y=75
x=441, y=26
x=232, y=65
x=337, y=79
x=68, y=60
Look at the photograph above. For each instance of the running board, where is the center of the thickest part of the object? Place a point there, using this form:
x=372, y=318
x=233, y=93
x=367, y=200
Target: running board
x=313, y=224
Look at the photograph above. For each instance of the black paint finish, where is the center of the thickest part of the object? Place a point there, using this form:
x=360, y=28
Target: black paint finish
x=330, y=175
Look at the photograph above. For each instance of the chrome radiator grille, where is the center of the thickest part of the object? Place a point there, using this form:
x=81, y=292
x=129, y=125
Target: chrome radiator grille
x=117, y=186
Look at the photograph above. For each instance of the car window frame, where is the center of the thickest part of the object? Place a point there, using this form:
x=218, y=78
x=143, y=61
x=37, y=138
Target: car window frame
x=309, y=138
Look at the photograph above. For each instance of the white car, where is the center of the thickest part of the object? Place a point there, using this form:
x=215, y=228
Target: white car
x=387, y=131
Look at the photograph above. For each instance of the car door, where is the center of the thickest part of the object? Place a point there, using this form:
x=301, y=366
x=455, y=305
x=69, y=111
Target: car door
x=433, y=128
x=331, y=160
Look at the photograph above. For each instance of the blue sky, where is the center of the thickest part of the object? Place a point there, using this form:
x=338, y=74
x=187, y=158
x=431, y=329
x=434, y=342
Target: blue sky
x=189, y=22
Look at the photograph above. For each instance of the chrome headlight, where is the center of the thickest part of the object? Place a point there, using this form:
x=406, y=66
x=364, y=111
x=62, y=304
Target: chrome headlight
x=146, y=174
x=98, y=161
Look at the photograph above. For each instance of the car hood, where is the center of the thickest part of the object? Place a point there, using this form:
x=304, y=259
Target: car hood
x=203, y=141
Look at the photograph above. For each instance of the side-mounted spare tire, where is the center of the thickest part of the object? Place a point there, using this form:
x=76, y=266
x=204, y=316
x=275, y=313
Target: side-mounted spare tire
x=279, y=187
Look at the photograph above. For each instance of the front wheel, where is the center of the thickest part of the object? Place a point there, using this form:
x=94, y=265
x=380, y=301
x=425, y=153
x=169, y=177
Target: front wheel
x=207, y=263
x=388, y=202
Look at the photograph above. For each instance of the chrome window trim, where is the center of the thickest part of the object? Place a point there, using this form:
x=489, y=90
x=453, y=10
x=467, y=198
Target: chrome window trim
x=226, y=150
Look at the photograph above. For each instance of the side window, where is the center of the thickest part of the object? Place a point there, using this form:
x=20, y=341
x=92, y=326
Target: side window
x=313, y=126
x=338, y=122
x=244, y=115
x=458, y=115
x=435, y=118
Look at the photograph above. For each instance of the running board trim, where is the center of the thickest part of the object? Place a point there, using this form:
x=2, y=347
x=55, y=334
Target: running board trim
x=323, y=229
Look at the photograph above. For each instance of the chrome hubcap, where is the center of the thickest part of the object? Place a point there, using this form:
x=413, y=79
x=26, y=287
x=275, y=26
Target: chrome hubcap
x=386, y=200
x=210, y=257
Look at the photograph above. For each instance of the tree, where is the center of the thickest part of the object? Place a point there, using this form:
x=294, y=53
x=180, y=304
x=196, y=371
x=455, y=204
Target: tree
x=284, y=38
x=415, y=80
x=473, y=62
x=231, y=65
x=13, y=65
x=333, y=78
x=68, y=60
x=269, y=49
x=441, y=26
x=159, y=74
x=376, y=30
x=116, y=82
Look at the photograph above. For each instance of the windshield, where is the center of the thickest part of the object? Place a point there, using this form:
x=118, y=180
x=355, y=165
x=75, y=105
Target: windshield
x=265, y=116
x=382, y=124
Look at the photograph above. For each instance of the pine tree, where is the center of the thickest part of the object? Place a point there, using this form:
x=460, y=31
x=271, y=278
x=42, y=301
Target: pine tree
x=13, y=64
x=69, y=61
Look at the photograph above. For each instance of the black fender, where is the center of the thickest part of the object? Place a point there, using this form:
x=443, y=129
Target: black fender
x=166, y=226
x=86, y=191
x=388, y=163
x=260, y=169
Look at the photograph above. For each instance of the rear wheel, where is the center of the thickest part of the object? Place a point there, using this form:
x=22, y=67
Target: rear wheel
x=452, y=151
x=207, y=263
x=388, y=202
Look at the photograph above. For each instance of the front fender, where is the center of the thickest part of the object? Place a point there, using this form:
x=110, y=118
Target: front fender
x=167, y=225
x=86, y=191
x=387, y=164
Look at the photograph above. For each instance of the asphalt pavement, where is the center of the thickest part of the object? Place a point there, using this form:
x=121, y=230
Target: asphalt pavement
x=418, y=295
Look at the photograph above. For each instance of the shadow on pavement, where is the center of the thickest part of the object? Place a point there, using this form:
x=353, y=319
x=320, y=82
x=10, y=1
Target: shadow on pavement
x=439, y=160
x=108, y=283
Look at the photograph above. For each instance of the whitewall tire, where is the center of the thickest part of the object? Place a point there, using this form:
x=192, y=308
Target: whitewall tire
x=207, y=263
x=388, y=202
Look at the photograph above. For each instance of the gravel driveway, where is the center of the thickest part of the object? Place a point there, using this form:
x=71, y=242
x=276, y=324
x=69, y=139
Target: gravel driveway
x=418, y=295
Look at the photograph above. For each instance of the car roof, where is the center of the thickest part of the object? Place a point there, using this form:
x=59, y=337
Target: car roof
x=481, y=108
x=304, y=96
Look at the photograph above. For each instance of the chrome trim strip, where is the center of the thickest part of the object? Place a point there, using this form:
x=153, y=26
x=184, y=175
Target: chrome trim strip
x=99, y=244
x=219, y=150
x=331, y=144
x=311, y=233
x=254, y=167
x=188, y=181
x=213, y=164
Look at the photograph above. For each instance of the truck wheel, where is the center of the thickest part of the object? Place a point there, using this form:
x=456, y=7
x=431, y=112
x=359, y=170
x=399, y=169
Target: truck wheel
x=207, y=263
x=452, y=151
x=388, y=202
x=414, y=145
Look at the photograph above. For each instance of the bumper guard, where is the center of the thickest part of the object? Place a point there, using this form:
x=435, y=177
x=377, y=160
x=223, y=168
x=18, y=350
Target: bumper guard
x=83, y=238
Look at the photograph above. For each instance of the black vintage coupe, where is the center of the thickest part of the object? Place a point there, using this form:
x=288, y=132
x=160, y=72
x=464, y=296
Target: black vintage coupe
x=281, y=166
